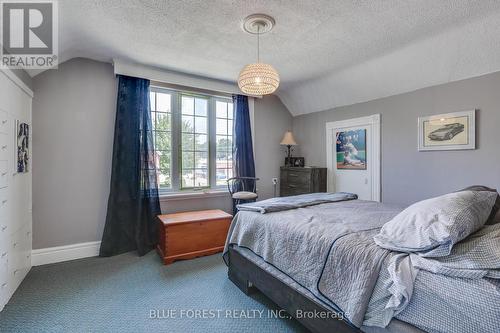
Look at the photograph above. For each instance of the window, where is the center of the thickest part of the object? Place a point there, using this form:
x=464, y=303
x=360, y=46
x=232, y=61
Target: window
x=161, y=117
x=224, y=141
x=194, y=129
x=201, y=126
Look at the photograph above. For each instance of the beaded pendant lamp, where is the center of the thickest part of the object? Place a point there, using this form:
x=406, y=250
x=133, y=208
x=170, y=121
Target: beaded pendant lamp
x=258, y=78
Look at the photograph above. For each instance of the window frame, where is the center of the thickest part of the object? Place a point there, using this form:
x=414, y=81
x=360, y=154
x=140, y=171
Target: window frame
x=215, y=134
x=176, y=139
x=172, y=136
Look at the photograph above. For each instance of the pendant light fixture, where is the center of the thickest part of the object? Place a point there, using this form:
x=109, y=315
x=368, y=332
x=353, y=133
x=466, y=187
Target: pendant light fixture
x=258, y=78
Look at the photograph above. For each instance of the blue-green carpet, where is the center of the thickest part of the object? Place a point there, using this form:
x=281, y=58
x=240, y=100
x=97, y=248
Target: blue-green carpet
x=122, y=293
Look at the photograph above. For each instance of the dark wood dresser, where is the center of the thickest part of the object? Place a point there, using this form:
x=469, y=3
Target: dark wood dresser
x=294, y=181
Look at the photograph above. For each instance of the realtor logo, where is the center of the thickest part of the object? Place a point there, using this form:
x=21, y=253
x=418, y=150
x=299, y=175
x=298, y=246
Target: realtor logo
x=29, y=37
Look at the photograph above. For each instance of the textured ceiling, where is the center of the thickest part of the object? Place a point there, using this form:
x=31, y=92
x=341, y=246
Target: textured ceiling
x=328, y=52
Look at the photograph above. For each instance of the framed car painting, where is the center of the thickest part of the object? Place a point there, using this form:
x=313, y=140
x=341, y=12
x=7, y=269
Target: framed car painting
x=448, y=131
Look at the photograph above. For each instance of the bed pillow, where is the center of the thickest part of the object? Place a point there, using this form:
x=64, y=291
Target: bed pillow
x=431, y=227
x=494, y=216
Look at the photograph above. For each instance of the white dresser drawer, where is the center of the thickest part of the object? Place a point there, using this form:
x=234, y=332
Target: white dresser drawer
x=15, y=257
x=4, y=174
x=4, y=238
x=19, y=259
x=4, y=122
x=5, y=216
x=4, y=282
x=4, y=147
x=4, y=268
x=27, y=245
x=20, y=250
x=5, y=230
x=4, y=256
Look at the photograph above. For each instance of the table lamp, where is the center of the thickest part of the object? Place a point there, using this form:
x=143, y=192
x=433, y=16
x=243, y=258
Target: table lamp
x=288, y=141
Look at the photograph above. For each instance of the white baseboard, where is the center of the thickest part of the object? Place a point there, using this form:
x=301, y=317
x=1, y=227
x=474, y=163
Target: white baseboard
x=52, y=255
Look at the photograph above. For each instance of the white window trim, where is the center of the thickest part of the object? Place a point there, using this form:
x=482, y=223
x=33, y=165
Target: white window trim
x=201, y=194
x=176, y=191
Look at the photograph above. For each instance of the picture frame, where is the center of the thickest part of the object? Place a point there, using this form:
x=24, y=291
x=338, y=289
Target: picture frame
x=351, y=149
x=447, y=131
x=298, y=162
x=22, y=139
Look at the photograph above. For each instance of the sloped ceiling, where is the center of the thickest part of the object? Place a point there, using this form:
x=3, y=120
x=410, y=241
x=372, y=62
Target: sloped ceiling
x=328, y=52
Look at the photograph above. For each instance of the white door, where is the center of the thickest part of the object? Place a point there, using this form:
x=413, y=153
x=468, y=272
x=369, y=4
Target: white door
x=353, y=156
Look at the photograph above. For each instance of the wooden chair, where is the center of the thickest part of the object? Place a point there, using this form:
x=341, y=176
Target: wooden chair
x=242, y=189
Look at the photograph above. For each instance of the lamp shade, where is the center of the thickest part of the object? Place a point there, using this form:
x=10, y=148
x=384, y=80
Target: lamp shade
x=288, y=139
x=258, y=79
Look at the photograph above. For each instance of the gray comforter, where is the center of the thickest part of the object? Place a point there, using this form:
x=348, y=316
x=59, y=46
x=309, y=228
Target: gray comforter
x=373, y=285
x=299, y=242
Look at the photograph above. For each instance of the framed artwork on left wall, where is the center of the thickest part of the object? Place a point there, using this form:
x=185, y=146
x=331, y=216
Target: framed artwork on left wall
x=22, y=146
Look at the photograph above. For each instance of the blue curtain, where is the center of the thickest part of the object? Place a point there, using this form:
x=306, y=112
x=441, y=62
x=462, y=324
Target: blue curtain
x=243, y=162
x=133, y=202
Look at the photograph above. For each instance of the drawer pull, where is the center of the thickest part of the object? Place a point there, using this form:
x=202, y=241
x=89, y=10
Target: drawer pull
x=16, y=271
x=28, y=233
x=4, y=284
x=4, y=174
x=4, y=254
x=4, y=201
x=14, y=245
x=4, y=227
x=4, y=147
x=292, y=186
x=293, y=175
x=4, y=121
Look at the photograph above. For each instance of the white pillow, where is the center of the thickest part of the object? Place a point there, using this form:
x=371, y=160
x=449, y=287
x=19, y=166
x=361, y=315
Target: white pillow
x=431, y=227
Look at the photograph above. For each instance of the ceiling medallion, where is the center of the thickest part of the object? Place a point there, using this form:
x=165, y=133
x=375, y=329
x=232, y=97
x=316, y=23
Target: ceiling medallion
x=258, y=78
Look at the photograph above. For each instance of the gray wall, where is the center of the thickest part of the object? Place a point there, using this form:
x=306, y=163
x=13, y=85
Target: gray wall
x=183, y=205
x=272, y=120
x=409, y=175
x=73, y=122
x=73, y=125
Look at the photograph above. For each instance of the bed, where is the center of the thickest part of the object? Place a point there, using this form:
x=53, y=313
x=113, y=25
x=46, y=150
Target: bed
x=293, y=256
